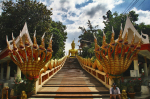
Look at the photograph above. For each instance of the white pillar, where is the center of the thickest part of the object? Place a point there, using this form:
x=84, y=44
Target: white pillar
x=136, y=66
x=18, y=72
x=8, y=73
x=145, y=70
x=149, y=69
x=2, y=71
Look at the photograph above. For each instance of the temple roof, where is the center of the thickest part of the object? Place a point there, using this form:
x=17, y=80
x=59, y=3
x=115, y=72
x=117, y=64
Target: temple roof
x=131, y=29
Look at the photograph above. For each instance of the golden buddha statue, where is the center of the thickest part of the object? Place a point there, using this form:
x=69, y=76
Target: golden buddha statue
x=124, y=95
x=73, y=51
x=23, y=95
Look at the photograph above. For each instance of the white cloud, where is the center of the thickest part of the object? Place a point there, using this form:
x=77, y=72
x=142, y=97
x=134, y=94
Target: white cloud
x=92, y=11
x=143, y=16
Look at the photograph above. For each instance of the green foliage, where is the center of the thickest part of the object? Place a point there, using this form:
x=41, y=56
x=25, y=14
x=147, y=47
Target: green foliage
x=60, y=36
x=23, y=85
x=87, y=37
x=14, y=16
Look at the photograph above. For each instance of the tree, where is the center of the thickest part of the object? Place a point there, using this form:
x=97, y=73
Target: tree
x=14, y=16
x=87, y=37
x=38, y=18
x=115, y=20
x=57, y=28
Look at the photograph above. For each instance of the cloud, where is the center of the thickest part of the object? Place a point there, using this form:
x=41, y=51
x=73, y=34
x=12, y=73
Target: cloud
x=143, y=16
x=91, y=12
x=66, y=12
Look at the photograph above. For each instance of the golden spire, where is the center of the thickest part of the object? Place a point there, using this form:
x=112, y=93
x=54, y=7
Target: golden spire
x=42, y=46
x=34, y=38
x=104, y=45
x=8, y=45
x=21, y=46
x=97, y=47
x=35, y=45
x=42, y=39
x=49, y=49
x=14, y=44
x=50, y=41
x=120, y=39
x=112, y=41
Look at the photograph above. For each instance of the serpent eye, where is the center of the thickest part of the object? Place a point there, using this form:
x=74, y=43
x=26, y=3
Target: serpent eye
x=34, y=47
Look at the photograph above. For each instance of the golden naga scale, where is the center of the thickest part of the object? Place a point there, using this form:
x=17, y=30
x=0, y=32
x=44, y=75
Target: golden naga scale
x=116, y=57
x=30, y=59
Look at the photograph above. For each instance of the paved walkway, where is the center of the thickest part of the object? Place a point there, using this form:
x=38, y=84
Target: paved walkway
x=72, y=82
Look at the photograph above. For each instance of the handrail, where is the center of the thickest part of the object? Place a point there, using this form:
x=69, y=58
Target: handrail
x=98, y=74
x=45, y=74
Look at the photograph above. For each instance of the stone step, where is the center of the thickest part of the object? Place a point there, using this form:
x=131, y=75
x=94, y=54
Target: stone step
x=70, y=96
x=69, y=92
x=84, y=85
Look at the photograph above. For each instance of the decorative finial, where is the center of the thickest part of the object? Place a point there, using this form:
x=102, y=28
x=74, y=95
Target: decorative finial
x=51, y=37
x=104, y=33
x=35, y=33
x=6, y=38
x=12, y=36
x=43, y=35
x=94, y=36
x=121, y=26
x=113, y=30
x=20, y=35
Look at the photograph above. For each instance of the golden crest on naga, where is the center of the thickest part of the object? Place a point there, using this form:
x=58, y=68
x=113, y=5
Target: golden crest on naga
x=116, y=57
x=30, y=59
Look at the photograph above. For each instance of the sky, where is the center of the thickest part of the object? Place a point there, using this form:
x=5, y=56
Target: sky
x=75, y=13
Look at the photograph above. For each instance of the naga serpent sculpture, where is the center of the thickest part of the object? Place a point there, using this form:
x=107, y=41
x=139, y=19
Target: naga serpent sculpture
x=113, y=62
x=30, y=59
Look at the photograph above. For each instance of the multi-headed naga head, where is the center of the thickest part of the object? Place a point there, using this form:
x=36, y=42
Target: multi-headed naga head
x=114, y=62
x=27, y=56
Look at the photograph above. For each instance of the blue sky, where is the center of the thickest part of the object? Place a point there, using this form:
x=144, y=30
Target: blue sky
x=75, y=13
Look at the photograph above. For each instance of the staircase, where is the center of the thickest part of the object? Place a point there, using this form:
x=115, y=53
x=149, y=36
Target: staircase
x=72, y=82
